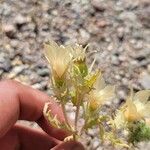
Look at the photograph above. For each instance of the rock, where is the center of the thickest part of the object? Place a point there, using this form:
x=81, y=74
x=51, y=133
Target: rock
x=84, y=36
x=98, y=5
x=114, y=60
x=21, y=20
x=145, y=80
x=130, y=16
x=144, y=16
x=16, y=71
x=9, y=30
x=5, y=65
x=37, y=86
x=43, y=72
x=102, y=23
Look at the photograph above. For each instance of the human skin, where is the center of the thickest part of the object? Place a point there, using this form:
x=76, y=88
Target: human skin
x=20, y=102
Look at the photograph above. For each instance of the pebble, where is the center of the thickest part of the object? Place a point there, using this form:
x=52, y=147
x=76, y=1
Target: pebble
x=115, y=60
x=16, y=71
x=97, y=5
x=43, y=72
x=84, y=36
x=9, y=30
x=21, y=20
x=145, y=80
x=37, y=86
x=5, y=64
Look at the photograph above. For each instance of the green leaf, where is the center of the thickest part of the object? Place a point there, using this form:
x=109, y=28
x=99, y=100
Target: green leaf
x=91, y=79
x=91, y=123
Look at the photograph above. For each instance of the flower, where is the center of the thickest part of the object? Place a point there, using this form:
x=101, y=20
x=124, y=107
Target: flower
x=59, y=58
x=137, y=107
x=78, y=52
x=101, y=93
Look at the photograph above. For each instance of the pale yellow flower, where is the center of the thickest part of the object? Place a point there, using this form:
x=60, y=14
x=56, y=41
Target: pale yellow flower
x=59, y=58
x=78, y=52
x=101, y=93
x=137, y=107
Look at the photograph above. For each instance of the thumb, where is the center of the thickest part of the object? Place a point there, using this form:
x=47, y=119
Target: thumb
x=70, y=145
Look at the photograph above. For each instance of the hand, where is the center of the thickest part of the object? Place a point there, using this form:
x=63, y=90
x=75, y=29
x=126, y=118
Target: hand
x=20, y=102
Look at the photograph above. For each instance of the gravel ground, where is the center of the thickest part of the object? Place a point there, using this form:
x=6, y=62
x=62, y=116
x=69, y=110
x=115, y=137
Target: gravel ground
x=118, y=33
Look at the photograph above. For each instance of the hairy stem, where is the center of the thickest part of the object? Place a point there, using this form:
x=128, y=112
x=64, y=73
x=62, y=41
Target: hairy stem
x=78, y=99
x=65, y=114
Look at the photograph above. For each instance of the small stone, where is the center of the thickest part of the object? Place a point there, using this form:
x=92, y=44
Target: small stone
x=102, y=23
x=16, y=61
x=145, y=80
x=16, y=71
x=144, y=16
x=37, y=86
x=20, y=20
x=98, y=5
x=122, y=58
x=5, y=65
x=43, y=72
x=84, y=36
x=9, y=30
x=114, y=60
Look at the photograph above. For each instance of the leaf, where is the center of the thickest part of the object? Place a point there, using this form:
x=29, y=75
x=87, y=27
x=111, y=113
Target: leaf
x=91, y=79
x=91, y=123
x=101, y=131
x=53, y=120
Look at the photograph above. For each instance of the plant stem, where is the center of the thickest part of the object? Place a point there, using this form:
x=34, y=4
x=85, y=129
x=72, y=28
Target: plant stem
x=65, y=114
x=77, y=112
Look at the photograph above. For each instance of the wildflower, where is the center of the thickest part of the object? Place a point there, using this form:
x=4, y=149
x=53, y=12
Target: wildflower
x=136, y=108
x=59, y=58
x=78, y=53
x=79, y=60
x=101, y=93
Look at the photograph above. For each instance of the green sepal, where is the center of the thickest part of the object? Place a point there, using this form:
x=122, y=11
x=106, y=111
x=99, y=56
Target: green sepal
x=90, y=123
x=80, y=69
x=91, y=79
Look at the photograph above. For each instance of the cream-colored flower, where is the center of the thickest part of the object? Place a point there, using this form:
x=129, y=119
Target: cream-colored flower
x=78, y=52
x=59, y=58
x=137, y=107
x=101, y=93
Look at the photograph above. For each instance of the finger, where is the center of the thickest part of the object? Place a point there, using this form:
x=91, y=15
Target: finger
x=71, y=145
x=24, y=138
x=18, y=101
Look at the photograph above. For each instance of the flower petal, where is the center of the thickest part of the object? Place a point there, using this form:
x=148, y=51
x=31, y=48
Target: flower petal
x=100, y=83
x=142, y=96
x=119, y=119
x=131, y=113
x=107, y=93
